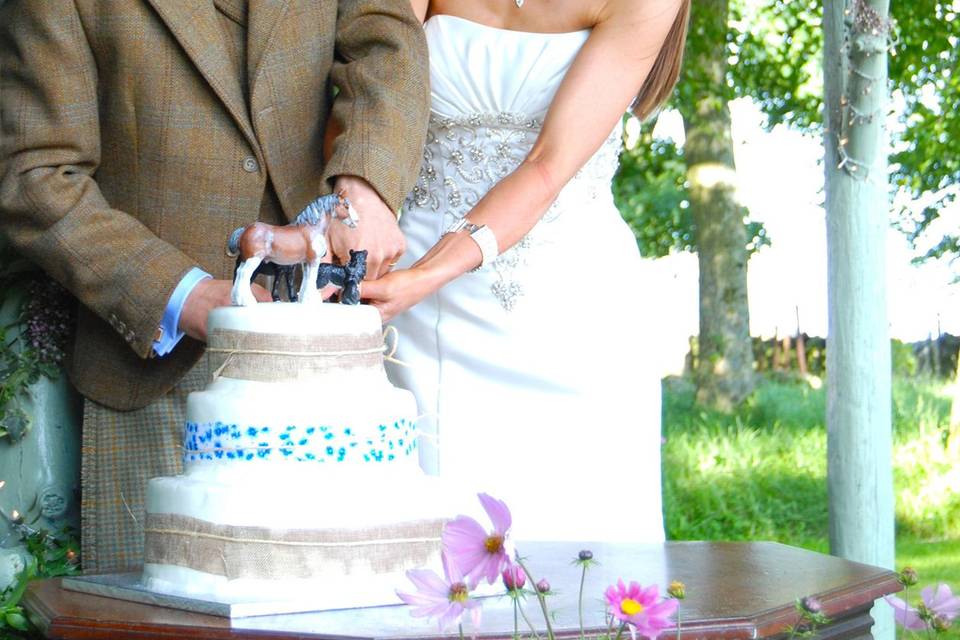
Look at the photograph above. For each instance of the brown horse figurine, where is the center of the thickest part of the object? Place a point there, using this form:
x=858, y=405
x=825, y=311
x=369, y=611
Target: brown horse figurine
x=301, y=242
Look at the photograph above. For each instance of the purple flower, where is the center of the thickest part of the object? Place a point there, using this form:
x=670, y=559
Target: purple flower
x=444, y=599
x=543, y=586
x=476, y=552
x=47, y=319
x=811, y=605
x=642, y=609
x=905, y=615
x=941, y=601
x=936, y=603
x=514, y=578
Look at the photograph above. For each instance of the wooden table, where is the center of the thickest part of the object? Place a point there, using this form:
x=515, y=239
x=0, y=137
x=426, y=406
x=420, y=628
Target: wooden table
x=734, y=590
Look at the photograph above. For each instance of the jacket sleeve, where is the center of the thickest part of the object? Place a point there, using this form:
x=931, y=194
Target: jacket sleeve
x=51, y=208
x=383, y=100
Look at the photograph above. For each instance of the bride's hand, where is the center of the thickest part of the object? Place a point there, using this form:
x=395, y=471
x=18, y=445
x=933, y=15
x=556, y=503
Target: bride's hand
x=396, y=292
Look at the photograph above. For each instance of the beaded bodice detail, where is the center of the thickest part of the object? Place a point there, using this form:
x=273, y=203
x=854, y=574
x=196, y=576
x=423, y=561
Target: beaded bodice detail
x=491, y=90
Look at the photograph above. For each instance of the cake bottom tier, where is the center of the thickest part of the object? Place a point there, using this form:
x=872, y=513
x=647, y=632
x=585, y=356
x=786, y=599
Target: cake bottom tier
x=305, y=594
x=336, y=553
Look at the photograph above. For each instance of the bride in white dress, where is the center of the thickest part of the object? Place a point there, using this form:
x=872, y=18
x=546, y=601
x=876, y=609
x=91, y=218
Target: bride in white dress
x=531, y=371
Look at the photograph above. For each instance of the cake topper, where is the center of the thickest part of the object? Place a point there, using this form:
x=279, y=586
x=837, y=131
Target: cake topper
x=347, y=276
x=302, y=242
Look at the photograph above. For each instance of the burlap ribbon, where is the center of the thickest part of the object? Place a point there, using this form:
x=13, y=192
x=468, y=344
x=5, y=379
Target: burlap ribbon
x=265, y=553
x=267, y=357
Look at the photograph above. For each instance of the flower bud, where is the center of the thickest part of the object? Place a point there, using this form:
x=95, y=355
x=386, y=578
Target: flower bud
x=513, y=577
x=811, y=605
x=585, y=555
x=908, y=577
x=677, y=590
x=543, y=586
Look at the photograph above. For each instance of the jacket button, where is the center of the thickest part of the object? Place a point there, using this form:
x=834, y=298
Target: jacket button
x=250, y=164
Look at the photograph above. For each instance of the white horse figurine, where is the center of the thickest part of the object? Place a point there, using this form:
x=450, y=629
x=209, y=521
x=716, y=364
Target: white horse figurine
x=301, y=242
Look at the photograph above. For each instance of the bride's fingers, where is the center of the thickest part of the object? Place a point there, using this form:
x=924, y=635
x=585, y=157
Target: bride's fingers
x=371, y=290
x=327, y=291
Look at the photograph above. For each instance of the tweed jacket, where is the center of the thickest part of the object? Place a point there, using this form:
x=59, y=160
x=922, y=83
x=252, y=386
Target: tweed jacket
x=129, y=151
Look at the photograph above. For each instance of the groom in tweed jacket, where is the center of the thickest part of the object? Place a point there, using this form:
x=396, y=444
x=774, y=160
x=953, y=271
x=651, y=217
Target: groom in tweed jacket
x=135, y=135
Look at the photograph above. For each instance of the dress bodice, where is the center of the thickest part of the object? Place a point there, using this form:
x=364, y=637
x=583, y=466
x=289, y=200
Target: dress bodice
x=490, y=91
x=477, y=69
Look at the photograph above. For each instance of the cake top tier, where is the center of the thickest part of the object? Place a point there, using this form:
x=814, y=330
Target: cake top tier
x=292, y=319
x=280, y=341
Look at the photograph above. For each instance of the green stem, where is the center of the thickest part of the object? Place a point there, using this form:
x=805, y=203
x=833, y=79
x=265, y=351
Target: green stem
x=583, y=578
x=623, y=625
x=460, y=626
x=906, y=603
x=540, y=598
x=516, y=621
x=533, y=629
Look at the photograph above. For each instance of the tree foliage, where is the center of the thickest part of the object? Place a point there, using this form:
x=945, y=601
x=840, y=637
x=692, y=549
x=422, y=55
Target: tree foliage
x=925, y=164
x=775, y=50
x=650, y=191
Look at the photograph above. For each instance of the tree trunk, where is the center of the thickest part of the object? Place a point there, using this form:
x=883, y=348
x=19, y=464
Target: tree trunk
x=724, y=372
x=859, y=439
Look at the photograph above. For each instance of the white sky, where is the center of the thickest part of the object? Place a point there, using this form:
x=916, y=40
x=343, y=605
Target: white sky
x=781, y=182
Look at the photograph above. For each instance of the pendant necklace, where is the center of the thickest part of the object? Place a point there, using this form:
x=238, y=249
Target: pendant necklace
x=519, y=3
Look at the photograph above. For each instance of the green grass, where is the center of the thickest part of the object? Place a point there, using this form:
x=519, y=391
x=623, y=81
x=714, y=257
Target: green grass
x=760, y=473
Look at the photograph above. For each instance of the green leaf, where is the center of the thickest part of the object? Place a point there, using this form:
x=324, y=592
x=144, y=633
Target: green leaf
x=17, y=620
x=14, y=423
x=12, y=596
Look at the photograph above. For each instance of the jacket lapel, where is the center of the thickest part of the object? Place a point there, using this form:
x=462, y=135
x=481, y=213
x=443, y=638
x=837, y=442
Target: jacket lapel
x=195, y=26
x=263, y=16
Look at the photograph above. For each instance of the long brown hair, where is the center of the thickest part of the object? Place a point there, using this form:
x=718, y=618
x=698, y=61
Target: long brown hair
x=666, y=69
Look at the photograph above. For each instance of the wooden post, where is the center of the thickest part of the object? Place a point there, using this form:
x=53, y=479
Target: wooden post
x=801, y=346
x=859, y=439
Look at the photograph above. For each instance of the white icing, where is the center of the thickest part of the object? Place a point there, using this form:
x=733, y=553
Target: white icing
x=365, y=415
x=290, y=318
x=324, y=592
x=298, y=498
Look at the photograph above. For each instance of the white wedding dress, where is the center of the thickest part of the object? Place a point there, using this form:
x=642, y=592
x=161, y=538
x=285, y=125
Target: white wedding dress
x=530, y=374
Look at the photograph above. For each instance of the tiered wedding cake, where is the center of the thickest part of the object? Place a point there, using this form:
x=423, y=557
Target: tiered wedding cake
x=301, y=475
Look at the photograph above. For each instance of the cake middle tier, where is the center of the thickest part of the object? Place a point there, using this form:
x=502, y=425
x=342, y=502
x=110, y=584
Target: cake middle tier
x=234, y=423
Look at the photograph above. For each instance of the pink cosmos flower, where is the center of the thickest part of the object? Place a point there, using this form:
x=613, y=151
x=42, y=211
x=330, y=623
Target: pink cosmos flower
x=905, y=615
x=480, y=554
x=443, y=599
x=642, y=609
x=940, y=602
x=513, y=577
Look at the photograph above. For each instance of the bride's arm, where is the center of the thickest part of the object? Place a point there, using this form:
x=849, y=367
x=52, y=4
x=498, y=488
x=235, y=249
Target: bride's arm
x=600, y=85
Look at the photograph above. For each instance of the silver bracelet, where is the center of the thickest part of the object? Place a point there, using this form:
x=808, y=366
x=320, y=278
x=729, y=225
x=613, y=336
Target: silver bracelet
x=482, y=235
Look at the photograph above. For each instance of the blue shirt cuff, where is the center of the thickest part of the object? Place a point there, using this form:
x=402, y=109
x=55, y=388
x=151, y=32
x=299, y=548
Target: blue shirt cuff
x=170, y=333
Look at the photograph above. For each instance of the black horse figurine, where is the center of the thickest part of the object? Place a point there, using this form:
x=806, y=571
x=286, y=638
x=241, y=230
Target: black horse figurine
x=347, y=276
x=282, y=274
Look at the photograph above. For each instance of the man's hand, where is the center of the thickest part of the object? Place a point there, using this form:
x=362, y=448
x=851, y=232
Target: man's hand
x=207, y=295
x=377, y=231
